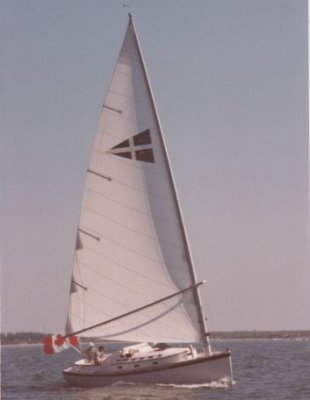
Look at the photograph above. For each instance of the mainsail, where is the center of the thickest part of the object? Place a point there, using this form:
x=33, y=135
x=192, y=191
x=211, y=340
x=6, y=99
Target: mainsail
x=131, y=248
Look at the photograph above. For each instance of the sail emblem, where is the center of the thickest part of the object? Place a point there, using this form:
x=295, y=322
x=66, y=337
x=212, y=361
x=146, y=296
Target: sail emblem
x=137, y=147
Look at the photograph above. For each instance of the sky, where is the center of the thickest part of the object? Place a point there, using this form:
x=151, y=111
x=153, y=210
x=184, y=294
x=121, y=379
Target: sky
x=230, y=82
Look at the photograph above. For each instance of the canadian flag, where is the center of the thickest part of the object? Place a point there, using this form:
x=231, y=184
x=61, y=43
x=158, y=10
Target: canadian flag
x=57, y=343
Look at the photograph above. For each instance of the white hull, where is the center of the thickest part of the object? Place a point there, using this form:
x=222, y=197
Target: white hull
x=203, y=369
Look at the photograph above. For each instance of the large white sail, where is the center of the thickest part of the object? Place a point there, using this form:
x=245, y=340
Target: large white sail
x=131, y=246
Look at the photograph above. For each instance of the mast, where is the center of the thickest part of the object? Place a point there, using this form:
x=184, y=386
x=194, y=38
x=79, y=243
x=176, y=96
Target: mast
x=203, y=328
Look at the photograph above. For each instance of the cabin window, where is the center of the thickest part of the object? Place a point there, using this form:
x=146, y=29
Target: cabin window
x=155, y=362
x=119, y=367
x=137, y=365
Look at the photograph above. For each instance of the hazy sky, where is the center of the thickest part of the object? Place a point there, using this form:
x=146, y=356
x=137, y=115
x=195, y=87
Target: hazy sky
x=230, y=83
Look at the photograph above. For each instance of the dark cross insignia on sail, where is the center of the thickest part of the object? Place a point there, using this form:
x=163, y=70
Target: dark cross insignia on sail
x=137, y=147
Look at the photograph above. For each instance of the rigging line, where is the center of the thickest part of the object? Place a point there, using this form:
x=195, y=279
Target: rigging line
x=135, y=310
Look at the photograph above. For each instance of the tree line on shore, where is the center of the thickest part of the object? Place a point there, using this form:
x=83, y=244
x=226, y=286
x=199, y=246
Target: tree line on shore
x=37, y=337
x=22, y=338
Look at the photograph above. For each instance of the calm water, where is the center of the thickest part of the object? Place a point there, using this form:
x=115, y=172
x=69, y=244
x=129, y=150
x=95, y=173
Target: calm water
x=263, y=369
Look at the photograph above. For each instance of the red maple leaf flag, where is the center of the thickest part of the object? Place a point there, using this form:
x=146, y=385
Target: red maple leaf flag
x=57, y=343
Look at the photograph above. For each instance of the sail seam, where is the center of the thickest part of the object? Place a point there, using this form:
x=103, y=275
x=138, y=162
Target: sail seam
x=142, y=126
x=126, y=96
x=148, y=214
x=130, y=74
x=170, y=266
x=137, y=123
x=113, y=221
x=147, y=277
x=137, y=189
x=127, y=248
x=104, y=277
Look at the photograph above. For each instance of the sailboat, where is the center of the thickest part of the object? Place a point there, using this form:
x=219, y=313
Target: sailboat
x=133, y=279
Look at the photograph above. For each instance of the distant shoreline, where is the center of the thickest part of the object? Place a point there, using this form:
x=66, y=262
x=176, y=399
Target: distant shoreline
x=21, y=344
x=300, y=334
x=31, y=338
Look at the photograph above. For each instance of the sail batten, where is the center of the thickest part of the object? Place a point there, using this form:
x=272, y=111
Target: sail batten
x=112, y=108
x=130, y=205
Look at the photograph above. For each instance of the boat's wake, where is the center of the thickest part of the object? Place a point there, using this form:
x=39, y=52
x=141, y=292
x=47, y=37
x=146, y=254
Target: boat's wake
x=224, y=383
x=220, y=384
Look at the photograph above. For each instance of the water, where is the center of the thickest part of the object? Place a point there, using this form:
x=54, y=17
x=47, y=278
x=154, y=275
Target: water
x=263, y=369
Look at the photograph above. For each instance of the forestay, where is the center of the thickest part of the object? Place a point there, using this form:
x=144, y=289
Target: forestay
x=131, y=247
